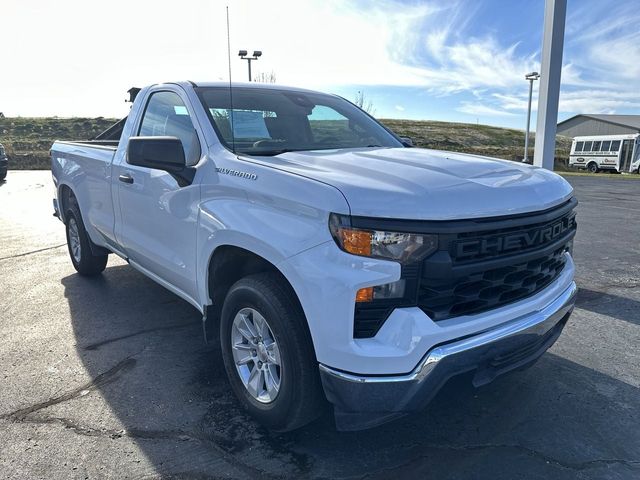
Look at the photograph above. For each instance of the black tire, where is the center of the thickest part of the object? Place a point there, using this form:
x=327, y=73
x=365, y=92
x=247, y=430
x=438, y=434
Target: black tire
x=85, y=262
x=592, y=167
x=3, y=175
x=300, y=397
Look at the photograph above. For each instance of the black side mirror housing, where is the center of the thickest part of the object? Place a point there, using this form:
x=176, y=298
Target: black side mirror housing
x=407, y=141
x=161, y=153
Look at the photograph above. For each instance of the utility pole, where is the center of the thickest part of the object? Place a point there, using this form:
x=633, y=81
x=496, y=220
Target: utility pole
x=531, y=77
x=243, y=56
x=555, y=12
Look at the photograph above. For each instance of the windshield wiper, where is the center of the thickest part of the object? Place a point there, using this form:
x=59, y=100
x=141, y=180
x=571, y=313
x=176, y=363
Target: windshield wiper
x=275, y=151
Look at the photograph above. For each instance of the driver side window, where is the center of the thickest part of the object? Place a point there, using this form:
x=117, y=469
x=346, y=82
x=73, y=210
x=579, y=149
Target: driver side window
x=167, y=115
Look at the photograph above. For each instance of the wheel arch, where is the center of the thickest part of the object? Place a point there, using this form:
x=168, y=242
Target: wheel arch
x=229, y=263
x=65, y=195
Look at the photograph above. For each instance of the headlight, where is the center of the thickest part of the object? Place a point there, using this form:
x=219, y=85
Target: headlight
x=398, y=246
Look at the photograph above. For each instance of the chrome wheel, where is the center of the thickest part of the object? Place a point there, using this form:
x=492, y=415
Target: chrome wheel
x=256, y=355
x=74, y=240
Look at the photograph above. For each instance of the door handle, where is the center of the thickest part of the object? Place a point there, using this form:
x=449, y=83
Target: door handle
x=126, y=178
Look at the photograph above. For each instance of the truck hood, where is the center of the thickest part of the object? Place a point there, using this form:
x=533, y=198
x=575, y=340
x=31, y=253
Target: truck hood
x=415, y=183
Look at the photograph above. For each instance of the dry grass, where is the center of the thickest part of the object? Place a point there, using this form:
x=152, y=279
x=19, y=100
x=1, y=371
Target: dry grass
x=484, y=140
x=28, y=140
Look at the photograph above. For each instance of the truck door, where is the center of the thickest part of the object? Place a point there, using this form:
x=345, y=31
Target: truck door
x=158, y=217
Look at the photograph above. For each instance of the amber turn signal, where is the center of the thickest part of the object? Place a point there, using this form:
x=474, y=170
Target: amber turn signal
x=357, y=242
x=364, y=295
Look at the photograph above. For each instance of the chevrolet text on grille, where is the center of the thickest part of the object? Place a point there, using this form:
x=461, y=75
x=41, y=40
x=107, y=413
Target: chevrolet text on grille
x=515, y=241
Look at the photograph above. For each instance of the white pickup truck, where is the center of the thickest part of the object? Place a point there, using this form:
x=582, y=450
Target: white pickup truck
x=329, y=259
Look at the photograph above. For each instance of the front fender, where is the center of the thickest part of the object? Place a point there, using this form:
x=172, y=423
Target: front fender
x=275, y=217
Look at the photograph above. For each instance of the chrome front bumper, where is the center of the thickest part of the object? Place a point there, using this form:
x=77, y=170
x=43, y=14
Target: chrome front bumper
x=365, y=401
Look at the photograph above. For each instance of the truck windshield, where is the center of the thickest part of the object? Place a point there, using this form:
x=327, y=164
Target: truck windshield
x=269, y=121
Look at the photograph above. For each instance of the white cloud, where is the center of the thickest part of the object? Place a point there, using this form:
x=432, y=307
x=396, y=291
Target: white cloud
x=313, y=43
x=597, y=101
x=479, y=109
x=399, y=108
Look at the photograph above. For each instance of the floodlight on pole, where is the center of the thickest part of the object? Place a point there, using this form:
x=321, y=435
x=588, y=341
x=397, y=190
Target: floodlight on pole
x=531, y=77
x=243, y=54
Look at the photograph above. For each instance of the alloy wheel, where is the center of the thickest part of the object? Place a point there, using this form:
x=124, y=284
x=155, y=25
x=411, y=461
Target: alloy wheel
x=256, y=355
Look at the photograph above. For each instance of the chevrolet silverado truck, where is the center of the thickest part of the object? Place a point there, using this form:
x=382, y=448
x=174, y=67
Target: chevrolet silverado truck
x=329, y=259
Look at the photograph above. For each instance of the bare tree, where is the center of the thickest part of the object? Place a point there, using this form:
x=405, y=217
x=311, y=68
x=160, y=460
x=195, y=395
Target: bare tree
x=265, y=77
x=364, y=103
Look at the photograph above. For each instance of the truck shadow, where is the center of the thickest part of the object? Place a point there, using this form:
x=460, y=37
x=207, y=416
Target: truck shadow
x=174, y=400
x=608, y=304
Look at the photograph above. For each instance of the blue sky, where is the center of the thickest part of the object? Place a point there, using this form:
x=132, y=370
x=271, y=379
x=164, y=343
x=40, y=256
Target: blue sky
x=473, y=56
x=451, y=60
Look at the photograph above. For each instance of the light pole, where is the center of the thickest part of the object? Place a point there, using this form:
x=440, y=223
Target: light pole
x=243, y=56
x=531, y=77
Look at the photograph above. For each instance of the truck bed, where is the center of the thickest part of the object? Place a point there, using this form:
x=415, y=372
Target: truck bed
x=111, y=144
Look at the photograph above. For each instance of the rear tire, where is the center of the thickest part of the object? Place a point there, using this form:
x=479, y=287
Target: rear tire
x=298, y=398
x=592, y=167
x=79, y=245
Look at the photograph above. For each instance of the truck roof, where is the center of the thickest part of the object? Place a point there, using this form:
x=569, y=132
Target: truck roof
x=222, y=84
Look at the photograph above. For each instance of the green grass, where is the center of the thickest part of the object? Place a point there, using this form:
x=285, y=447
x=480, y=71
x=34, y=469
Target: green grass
x=484, y=140
x=620, y=176
x=28, y=140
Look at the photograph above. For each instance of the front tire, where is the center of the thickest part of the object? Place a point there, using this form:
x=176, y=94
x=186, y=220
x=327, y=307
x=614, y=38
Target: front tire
x=592, y=167
x=79, y=246
x=268, y=354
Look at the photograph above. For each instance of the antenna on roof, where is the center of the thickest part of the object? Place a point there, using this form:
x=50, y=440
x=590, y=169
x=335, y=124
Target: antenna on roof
x=233, y=135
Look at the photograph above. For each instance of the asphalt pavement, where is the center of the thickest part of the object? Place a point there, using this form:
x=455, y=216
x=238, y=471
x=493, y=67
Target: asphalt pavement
x=110, y=377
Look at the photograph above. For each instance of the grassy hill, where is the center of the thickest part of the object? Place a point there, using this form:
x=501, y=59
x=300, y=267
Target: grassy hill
x=27, y=140
x=486, y=140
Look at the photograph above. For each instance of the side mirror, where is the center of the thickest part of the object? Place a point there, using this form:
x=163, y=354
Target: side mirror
x=407, y=141
x=161, y=153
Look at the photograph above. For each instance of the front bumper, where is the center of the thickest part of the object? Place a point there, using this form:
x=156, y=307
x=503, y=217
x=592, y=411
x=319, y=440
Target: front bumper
x=365, y=401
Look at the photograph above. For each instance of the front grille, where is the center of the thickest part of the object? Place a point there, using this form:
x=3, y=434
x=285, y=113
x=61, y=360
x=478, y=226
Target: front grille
x=490, y=288
x=480, y=264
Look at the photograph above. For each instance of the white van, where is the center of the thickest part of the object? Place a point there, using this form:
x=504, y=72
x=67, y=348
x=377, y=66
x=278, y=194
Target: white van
x=619, y=153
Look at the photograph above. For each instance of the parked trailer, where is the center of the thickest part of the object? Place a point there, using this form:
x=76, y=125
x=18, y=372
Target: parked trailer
x=619, y=153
